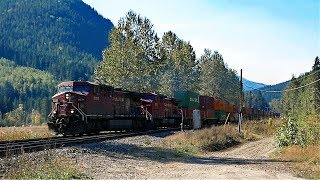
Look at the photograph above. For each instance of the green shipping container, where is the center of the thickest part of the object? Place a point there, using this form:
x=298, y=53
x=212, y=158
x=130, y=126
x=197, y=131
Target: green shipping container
x=187, y=99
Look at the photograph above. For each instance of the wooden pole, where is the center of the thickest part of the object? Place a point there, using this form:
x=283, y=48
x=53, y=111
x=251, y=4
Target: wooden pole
x=240, y=104
x=225, y=122
x=182, y=118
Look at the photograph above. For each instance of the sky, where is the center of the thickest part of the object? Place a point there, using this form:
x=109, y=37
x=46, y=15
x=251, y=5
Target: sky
x=271, y=40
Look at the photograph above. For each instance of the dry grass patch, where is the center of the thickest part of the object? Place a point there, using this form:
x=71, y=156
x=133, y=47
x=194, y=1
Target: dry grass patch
x=44, y=165
x=306, y=159
x=257, y=129
x=218, y=137
x=199, y=141
x=28, y=132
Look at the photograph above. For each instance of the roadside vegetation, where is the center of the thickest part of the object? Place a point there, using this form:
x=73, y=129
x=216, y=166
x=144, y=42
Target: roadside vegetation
x=45, y=165
x=299, y=141
x=29, y=132
x=298, y=138
x=216, y=138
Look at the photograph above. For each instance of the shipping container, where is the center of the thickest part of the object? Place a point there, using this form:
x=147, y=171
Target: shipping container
x=206, y=102
x=218, y=105
x=187, y=99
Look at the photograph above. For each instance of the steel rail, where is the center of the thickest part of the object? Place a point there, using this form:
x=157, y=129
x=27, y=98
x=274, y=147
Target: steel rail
x=9, y=148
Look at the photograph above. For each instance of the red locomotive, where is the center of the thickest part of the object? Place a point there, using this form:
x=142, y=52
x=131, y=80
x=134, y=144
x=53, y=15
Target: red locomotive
x=84, y=107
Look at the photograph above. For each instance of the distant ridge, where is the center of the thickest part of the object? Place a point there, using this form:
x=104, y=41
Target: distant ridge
x=277, y=87
x=247, y=84
x=254, y=87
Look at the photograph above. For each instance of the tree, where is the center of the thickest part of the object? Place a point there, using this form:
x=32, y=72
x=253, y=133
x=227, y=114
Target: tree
x=276, y=105
x=16, y=117
x=133, y=58
x=35, y=117
x=216, y=80
x=305, y=100
x=177, y=72
x=316, y=86
x=316, y=65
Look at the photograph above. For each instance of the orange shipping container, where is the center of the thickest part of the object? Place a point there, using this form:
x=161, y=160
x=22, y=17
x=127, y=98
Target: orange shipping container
x=216, y=105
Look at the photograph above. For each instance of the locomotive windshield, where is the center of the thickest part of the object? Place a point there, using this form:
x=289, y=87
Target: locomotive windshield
x=64, y=89
x=74, y=88
x=81, y=88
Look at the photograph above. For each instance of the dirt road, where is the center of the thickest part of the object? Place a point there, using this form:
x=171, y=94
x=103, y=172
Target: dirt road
x=131, y=158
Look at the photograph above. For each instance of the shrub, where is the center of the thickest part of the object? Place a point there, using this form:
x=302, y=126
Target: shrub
x=298, y=132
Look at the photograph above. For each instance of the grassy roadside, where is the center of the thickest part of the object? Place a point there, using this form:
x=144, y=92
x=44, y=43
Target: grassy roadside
x=305, y=160
x=216, y=138
x=299, y=142
x=27, y=132
x=43, y=165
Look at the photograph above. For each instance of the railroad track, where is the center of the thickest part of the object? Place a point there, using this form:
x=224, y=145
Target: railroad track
x=9, y=148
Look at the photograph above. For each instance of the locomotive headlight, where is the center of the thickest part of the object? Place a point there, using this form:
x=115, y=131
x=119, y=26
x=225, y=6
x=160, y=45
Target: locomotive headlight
x=72, y=111
x=67, y=96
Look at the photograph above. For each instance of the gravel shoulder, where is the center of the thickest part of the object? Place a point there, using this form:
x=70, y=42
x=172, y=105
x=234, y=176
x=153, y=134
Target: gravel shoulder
x=136, y=158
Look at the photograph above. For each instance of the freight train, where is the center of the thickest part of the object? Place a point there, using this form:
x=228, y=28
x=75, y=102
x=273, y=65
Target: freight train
x=82, y=107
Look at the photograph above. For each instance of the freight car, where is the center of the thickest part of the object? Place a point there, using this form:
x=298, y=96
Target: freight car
x=84, y=107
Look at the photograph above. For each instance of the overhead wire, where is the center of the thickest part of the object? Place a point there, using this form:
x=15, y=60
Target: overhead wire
x=305, y=76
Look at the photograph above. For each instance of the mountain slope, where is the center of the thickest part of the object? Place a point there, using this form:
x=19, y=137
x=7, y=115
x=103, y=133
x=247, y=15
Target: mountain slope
x=64, y=37
x=269, y=96
x=24, y=85
x=248, y=85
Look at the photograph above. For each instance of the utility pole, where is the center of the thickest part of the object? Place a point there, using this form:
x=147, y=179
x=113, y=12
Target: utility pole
x=240, y=104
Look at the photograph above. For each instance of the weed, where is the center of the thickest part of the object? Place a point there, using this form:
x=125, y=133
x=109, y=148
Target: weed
x=14, y=133
x=147, y=141
x=306, y=160
x=45, y=165
x=209, y=139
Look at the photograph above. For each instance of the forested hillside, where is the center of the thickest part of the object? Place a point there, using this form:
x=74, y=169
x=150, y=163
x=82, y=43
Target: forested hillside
x=266, y=96
x=302, y=95
x=45, y=42
x=24, y=92
x=271, y=92
x=64, y=37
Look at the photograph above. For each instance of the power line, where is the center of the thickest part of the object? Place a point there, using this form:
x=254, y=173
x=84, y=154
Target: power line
x=305, y=76
x=283, y=90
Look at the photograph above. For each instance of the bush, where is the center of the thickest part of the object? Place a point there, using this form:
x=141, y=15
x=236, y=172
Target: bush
x=298, y=132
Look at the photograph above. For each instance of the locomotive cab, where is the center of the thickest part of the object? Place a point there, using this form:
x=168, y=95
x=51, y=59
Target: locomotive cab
x=67, y=108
